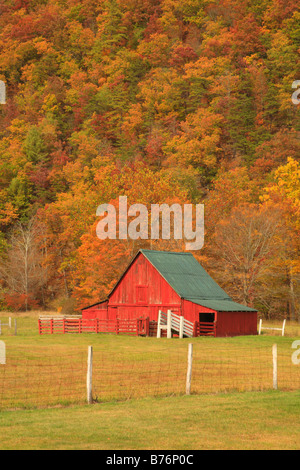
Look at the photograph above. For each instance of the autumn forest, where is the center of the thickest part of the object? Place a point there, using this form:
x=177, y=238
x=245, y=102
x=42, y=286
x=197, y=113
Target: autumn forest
x=164, y=101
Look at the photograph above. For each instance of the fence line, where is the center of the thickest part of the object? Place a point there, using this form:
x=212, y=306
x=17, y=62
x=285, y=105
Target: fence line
x=168, y=323
x=46, y=377
x=66, y=325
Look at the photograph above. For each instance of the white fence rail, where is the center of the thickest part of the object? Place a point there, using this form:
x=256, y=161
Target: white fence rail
x=269, y=328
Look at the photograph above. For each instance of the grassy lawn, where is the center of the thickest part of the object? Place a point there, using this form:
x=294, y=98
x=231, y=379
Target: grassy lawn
x=139, y=391
x=260, y=420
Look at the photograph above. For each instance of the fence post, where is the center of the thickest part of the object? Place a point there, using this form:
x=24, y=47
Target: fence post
x=169, y=332
x=158, y=324
x=2, y=353
x=147, y=326
x=274, y=353
x=0, y=328
x=89, y=378
x=259, y=328
x=181, y=325
x=283, y=326
x=189, y=369
x=15, y=327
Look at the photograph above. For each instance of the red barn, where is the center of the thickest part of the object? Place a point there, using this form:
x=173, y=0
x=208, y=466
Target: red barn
x=162, y=280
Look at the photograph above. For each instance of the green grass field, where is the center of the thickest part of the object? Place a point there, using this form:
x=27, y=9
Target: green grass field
x=257, y=420
x=139, y=392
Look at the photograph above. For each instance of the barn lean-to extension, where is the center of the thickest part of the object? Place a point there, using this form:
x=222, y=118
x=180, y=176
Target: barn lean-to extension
x=160, y=281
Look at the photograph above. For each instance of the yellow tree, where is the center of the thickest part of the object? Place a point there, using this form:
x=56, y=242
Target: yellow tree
x=284, y=192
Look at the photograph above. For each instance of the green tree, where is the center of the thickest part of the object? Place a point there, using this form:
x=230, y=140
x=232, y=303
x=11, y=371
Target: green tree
x=34, y=146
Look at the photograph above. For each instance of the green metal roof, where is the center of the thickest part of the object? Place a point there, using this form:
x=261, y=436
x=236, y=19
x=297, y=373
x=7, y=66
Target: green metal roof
x=223, y=305
x=190, y=280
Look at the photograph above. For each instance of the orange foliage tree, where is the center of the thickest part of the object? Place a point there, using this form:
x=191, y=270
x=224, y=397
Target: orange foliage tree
x=87, y=265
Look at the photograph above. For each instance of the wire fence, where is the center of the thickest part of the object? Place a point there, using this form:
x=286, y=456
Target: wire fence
x=42, y=377
x=46, y=377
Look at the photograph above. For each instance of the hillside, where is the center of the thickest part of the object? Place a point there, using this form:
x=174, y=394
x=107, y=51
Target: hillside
x=164, y=101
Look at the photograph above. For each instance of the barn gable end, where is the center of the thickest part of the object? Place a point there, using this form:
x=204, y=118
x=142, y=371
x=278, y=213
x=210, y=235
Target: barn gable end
x=142, y=291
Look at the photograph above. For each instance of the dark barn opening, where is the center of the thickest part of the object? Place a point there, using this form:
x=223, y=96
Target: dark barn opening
x=208, y=317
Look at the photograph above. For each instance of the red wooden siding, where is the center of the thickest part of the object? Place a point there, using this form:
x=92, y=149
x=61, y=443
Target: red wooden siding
x=191, y=311
x=236, y=323
x=227, y=323
x=96, y=311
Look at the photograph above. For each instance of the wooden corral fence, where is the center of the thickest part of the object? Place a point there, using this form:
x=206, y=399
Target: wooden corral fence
x=170, y=323
x=64, y=325
x=204, y=329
